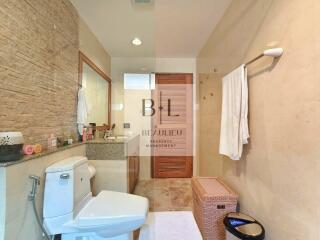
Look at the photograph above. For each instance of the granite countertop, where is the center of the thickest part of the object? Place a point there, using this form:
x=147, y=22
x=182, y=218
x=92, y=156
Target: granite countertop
x=111, y=149
x=112, y=141
x=44, y=153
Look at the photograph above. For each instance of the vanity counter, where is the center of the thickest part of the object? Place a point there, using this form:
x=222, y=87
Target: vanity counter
x=113, y=149
x=117, y=163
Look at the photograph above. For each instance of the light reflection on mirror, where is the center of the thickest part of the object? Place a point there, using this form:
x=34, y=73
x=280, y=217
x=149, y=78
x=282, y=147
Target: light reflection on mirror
x=96, y=91
x=97, y=88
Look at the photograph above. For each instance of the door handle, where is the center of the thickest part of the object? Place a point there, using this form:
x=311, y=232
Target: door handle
x=160, y=108
x=65, y=176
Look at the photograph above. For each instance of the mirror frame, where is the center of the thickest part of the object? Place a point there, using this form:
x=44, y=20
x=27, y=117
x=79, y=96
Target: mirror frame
x=84, y=59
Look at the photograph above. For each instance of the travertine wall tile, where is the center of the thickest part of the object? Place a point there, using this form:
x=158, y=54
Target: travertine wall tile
x=278, y=176
x=39, y=42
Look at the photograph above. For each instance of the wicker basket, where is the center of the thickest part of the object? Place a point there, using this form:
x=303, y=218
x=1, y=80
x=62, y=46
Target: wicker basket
x=212, y=200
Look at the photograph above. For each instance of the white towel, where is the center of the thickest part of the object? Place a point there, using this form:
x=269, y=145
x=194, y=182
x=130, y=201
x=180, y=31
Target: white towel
x=82, y=113
x=234, y=119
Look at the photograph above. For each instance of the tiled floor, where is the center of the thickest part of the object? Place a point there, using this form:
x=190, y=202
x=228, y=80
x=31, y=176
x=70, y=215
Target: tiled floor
x=172, y=194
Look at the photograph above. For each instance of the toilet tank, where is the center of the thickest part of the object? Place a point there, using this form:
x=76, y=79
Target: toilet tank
x=67, y=185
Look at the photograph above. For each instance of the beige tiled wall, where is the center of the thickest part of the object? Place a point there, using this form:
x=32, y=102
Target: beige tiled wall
x=278, y=176
x=20, y=221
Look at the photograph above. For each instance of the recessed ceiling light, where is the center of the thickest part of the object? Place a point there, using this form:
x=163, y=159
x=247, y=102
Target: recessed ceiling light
x=136, y=42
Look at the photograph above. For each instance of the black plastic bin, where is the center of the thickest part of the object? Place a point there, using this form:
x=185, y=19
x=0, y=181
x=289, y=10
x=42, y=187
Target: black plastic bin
x=244, y=227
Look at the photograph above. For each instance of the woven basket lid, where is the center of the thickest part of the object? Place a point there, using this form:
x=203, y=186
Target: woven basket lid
x=213, y=188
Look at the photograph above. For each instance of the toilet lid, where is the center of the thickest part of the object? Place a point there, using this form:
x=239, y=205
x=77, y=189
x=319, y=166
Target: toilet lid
x=111, y=208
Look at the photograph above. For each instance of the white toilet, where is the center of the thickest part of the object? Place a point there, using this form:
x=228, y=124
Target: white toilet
x=69, y=208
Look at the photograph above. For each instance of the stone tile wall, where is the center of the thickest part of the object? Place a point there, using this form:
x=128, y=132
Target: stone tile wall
x=39, y=43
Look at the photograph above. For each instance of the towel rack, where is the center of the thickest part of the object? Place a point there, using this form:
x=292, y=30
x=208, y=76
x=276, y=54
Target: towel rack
x=273, y=52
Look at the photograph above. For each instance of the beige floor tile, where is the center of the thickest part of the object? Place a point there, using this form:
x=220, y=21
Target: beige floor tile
x=172, y=194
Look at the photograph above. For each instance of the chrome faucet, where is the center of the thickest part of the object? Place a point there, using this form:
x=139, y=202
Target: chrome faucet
x=109, y=132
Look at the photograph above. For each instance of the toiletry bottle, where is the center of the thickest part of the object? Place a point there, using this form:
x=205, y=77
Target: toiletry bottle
x=90, y=132
x=84, y=135
x=49, y=143
x=96, y=134
x=53, y=141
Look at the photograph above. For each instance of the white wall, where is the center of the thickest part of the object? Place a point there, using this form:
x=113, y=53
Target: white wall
x=119, y=66
x=2, y=202
x=93, y=49
x=111, y=175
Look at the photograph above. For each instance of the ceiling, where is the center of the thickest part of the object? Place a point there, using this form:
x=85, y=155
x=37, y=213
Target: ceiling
x=168, y=28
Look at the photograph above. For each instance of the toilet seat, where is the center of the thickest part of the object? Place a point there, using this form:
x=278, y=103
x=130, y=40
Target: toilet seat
x=70, y=210
x=108, y=215
x=110, y=207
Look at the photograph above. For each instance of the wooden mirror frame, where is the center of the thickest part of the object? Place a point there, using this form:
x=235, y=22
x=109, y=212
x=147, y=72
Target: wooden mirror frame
x=84, y=59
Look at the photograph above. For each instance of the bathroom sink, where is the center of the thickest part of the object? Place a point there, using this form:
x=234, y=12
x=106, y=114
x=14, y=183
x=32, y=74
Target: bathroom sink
x=119, y=137
x=111, y=138
x=122, y=137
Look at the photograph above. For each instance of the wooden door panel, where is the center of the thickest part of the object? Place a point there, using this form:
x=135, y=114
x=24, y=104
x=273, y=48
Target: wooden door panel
x=168, y=167
x=174, y=114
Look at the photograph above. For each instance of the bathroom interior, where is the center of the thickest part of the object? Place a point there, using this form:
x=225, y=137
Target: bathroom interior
x=158, y=119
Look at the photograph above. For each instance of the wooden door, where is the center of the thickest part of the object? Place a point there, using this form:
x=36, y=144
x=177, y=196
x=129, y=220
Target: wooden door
x=172, y=126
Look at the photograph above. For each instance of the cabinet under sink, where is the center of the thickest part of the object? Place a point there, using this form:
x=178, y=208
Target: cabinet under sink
x=117, y=162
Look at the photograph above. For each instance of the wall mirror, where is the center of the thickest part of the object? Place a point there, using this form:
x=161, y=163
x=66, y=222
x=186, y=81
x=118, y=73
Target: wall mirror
x=97, y=87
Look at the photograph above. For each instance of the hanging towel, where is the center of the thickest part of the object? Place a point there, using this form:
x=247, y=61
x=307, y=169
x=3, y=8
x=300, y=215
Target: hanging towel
x=234, y=119
x=82, y=113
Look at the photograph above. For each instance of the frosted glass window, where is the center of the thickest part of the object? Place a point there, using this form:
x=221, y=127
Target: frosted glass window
x=136, y=81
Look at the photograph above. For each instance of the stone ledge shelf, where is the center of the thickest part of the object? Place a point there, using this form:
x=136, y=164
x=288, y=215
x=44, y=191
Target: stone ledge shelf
x=34, y=156
x=96, y=149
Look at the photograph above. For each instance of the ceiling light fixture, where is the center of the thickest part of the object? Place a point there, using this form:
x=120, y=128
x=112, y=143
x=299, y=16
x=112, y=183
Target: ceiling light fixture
x=136, y=42
x=142, y=1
